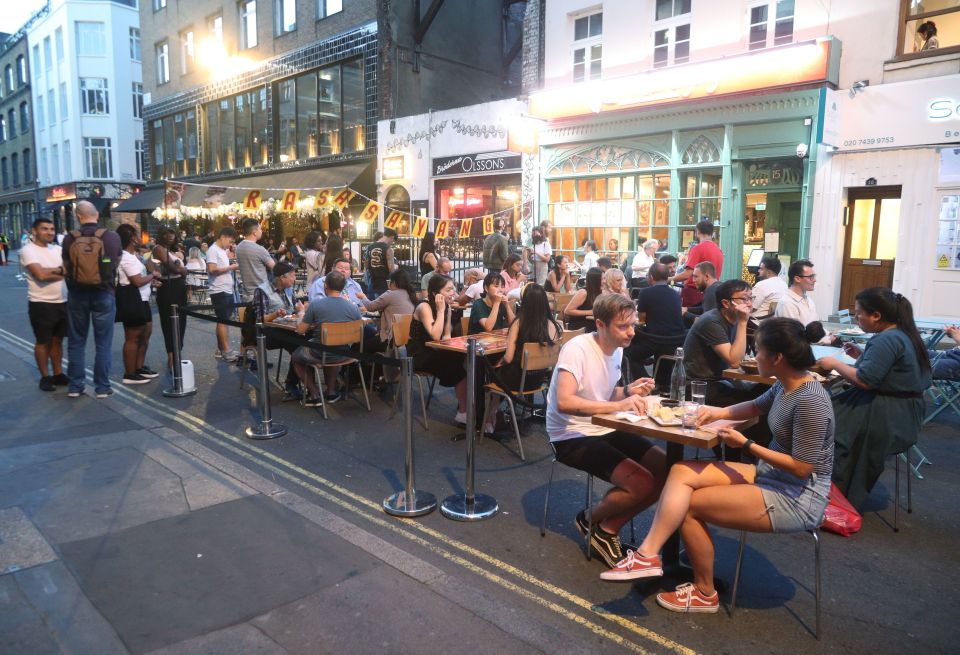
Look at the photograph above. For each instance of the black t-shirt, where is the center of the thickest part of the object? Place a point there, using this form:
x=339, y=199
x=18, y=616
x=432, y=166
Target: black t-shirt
x=379, y=273
x=700, y=360
x=661, y=304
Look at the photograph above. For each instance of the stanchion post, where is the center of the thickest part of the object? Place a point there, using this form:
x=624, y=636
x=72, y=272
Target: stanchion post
x=470, y=506
x=266, y=429
x=409, y=502
x=177, y=391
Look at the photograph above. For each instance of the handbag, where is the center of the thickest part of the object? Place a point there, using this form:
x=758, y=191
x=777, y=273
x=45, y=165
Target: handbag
x=129, y=304
x=840, y=517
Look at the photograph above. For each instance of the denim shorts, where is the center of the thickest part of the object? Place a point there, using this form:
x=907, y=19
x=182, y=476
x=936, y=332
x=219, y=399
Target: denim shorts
x=793, y=504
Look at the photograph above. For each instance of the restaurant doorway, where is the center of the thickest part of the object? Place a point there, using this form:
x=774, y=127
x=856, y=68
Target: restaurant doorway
x=870, y=247
x=772, y=222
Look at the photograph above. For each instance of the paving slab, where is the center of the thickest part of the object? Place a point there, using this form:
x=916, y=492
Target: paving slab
x=243, y=638
x=21, y=628
x=174, y=579
x=21, y=544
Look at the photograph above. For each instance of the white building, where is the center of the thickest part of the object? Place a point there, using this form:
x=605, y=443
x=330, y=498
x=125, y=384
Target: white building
x=87, y=101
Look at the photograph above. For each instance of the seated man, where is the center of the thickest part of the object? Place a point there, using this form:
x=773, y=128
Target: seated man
x=270, y=302
x=769, y=289
x=331, y=307
x=705, y=279
x=352, y=291
x=586, y=382
x=444, y=267
x=659, y=308
x=946, y=364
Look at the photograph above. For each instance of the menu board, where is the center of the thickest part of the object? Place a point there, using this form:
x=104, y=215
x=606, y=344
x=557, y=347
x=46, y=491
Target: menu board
x=948, y=236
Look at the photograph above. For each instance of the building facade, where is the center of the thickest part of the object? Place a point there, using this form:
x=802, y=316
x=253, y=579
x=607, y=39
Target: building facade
x=18, y=189
x=87, y=91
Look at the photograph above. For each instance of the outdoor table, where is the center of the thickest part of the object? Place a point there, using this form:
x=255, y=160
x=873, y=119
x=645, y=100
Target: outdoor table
x=471, y=506
x=676, y=438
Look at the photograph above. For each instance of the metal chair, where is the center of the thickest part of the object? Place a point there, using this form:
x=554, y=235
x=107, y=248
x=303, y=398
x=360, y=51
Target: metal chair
x=589, y=503
x=341, y=334
x=535, y=358
x=815, y=533
x=401, y=335
x=896, y=488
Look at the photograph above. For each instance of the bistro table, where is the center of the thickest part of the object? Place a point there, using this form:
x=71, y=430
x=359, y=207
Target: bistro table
x=676, y=438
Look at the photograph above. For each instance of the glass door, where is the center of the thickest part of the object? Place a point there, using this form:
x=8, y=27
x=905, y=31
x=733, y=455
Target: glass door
x=873, y=222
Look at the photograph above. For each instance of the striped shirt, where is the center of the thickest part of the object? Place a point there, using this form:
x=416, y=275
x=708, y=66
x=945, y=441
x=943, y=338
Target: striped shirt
x=802, y=424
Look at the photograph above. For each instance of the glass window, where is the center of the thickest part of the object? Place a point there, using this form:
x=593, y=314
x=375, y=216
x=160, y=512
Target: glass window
x=186, y=52
x=40, y=121
x=259, y=125
x=671, y=8
x=141, y=161
x=24, y=118
x=168, y=147
x=783, y=30
x=37, y=67
x=588, y=26
x=248, y=24
x=285, y=14
x=137, y=100
x=47, y=54
x=5, y=172
x=44, y=177
x=328, y=8
x=588, y=51
x=191, y=128
x=308, y=138
x=700, y=193
x=163, y=62
x=94, y=96
x=353, y=107
x=3, y=128
x=758, y=27
x=215, y=29
x=64, y=102
x=286, y=101
x=67, y=162
x=159, y=4
x=22, y=69
x=179, y=145
x=226, y=124
x=58, y=38
x=27, y=168
x=135, y=44
x=211, y=144
x=8, y=74
x=15, y=168
x=156, y=138
x=51, y=109
x=91, y=39
x=11, y=124
x=329, y=111
x=97, y=157
x=774, y=18
x=861, y=236
x=54, y=163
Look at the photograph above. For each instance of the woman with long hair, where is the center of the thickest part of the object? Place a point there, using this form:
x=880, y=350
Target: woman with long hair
x=786, y=491
x=490, y=311
x=581, y=305
x=883, y=411
x=559, y=280
x=432, y=321
x=312, y=256
x=512, y=273
x=400, y=298
x=428, y=253
x=168, y=258
x=615, y=282
x=333, y=252
x=534, y=324
x=136, y=329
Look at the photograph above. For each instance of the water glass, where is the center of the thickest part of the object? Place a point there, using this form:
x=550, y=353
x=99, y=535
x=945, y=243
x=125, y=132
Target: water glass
x=698, y=391
x=690, y=411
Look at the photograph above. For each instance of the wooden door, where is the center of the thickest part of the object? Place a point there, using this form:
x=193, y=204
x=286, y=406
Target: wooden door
x=870, y=247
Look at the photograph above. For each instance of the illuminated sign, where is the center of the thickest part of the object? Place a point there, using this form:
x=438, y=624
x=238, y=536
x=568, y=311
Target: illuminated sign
x=803, y=63
x=392, y=168
x=62, y=192
x=493, y=162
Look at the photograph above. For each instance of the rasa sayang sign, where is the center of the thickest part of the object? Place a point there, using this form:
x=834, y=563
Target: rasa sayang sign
x=491, y=162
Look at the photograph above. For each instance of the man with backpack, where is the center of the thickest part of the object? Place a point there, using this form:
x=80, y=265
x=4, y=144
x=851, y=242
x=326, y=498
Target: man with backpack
x=90, y=258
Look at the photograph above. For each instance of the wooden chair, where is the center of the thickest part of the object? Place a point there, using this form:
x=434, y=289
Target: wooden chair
x=341, y=334
x=569, y=334
x=536, y=358
x=464, y=325
x=560, y=303
x=401, y=335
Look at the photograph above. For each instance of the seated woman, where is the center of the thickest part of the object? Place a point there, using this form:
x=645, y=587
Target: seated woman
x=581, y=305
x=786, y=491
x=615, y=282
x=883, y=412
x=490, y=311
x=432, y=322
x=512, y=273
x=534, y=324
x=400, y=298
x=559, y=280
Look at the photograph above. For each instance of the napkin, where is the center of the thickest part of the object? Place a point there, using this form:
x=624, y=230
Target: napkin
x=629, y=416
x=715, y=426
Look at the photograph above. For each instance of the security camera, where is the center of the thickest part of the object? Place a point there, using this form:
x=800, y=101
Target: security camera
x=802, y=150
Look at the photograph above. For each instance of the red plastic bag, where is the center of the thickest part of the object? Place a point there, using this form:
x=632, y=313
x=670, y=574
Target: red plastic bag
x=840, y=517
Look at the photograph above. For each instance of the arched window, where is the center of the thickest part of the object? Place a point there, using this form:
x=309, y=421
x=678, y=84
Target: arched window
x=701, y=151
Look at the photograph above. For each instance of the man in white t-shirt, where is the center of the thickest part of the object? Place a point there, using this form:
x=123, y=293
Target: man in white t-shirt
x=797, y=302
x=643, y=260
x=47, y=301
x=220, y=268
x=769, y=289
x=586, y=381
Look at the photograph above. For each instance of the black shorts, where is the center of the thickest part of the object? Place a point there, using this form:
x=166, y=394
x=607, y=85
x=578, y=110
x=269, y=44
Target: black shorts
x=146, y=316
x=48, y=320
x=600, y=455
x=222, y=306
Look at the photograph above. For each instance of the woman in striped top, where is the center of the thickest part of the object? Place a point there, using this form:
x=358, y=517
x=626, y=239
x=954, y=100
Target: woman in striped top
x=786, y=491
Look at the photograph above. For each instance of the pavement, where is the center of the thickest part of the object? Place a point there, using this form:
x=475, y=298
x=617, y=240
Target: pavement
x=145, y=524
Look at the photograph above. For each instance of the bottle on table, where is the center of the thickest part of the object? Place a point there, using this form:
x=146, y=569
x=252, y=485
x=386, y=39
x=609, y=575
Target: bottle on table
x=678, y=379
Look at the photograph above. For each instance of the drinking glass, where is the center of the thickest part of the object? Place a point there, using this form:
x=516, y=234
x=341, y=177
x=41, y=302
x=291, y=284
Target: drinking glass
x=698, y=391
x=690, y=410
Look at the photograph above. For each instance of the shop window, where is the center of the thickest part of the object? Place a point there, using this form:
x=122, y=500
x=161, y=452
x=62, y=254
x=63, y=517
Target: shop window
x=156, y=138
x=353, y=106
x=235, y=133
x=587, y=47
x=671, y=34
x=141, y=160
x=771, y=19
x=948, y=235
x=929, y=27
x=700, y=193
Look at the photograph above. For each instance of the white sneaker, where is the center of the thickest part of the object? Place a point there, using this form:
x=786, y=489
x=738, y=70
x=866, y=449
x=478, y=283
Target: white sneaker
x=460, y=418
x=217, y=354
x=230, y=356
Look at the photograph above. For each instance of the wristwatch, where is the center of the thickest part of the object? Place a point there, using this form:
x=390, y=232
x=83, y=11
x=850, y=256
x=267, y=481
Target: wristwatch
x=746, y=446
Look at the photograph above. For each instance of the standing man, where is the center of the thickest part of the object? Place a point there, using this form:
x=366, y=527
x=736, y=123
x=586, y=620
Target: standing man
x=586, y=381
x=496, y=248
x=47, y=301
x=220, y=270
x=705, y=251
x=253, y=259
x=380, y=262
x=90, y=258
x=769, y=289
x=796, y=302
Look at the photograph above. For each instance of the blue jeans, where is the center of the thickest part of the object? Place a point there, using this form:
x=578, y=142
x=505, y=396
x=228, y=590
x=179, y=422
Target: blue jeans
x=947, y=367
x=82, y=306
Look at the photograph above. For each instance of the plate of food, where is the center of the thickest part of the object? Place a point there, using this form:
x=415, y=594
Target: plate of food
x=667, y=416
x=749, y=365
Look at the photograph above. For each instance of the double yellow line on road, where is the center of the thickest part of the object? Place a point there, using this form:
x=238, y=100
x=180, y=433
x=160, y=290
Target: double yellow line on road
x=428, y=537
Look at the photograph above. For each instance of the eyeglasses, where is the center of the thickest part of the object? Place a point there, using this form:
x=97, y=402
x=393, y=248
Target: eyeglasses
x=741, y=299
x=812, y=276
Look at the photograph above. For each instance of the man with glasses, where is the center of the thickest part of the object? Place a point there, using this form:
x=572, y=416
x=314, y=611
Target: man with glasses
x=796, y=302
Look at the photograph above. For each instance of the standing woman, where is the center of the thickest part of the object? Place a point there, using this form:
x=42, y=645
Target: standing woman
x=136, y=332
x=581, y=305
x=168, y=257
x=428, y=253
x=559, y=280
x=432, y=322
x=490, y=311
x=312, y=256
x=883, y=411
x=334, y=251
x=615, y=282
x=541, y=254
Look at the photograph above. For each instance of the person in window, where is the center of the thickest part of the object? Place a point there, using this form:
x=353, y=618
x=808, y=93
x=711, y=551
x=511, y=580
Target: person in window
x=491, y=311
x=928, y=32
x=559, y=280
x=580, y=306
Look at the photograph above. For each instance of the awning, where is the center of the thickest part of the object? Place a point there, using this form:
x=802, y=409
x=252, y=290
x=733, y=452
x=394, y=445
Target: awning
x=356, y=174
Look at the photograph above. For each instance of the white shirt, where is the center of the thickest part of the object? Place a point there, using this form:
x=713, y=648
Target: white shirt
x=474, y=290
x=219, y=282
x=641, y=264
x=597, y=376
x=799, y=307
x=540, y=267
x=47, y=257
x=765, y=293
x=131, y=265
x=590, y=261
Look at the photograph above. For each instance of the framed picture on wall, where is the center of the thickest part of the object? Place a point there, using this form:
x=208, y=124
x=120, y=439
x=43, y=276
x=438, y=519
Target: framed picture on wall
x=686, y=238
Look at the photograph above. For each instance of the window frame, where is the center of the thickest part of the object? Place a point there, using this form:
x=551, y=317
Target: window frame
x=323, y=10
x=159, y=5
x=279, y=15
x=88, y=151
x=245, y=15
x=58, y=44
x=136, y=44
x=51, y=108
x=82, y=42
x=670, y=26
x=64, y=102
x=770, y=39
x=161, y=58
x=137, y=99
x=586, y=46
x=905, y=18
x=188, y=50
x=24, y=117
x=21, y=71
x=99, y=94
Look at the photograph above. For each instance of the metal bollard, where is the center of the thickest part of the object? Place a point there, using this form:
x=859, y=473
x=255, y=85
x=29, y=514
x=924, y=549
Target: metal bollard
x=177, y=391
x=266, y=429
x=470, y=506
x=408, y=502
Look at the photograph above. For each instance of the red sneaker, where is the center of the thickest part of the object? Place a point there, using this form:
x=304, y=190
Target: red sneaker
x=633, y=567
x=687, y=598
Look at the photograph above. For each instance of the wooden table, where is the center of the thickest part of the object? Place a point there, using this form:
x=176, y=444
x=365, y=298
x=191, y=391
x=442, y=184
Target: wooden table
x=676, y=438
x=492, y=343
x=740, y=374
